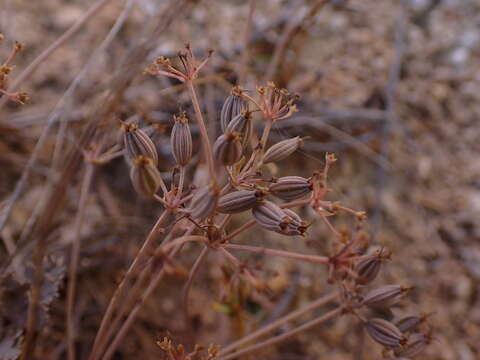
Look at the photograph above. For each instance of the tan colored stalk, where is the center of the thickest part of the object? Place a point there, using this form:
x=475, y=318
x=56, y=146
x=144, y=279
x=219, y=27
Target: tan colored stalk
x=275, y=252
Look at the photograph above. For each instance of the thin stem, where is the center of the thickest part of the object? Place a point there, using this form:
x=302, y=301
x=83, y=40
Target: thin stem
x=240, y=230
x=191, y=275
x=246, y=39
x=276, y=324
x=120, y=291
x=181, y=181
x=277, y=339
x=207, y=148
x=275, y=252
x=74, y=257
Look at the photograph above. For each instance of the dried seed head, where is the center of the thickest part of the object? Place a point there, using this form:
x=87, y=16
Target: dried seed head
x=242, y=125
x=181, y=140
x=384, y=332
x=385, y=296
x=239, y=201
x=289, y=188
x=271, y=217
x=227, y=149
x=234, y=104
x=138, y=143
x=415, y=345
x=145, y=177
x=204, y=202
x=282, y=150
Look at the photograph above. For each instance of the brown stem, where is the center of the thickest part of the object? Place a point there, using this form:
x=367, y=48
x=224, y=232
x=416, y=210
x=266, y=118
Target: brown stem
x=191, y=275
x=276, y=339
x=74, y=257
x=275, y=252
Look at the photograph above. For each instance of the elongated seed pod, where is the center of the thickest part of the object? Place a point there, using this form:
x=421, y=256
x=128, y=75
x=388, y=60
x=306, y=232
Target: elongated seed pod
x=204, y=202
x=234, y=104
x=239, y=201
x=137, y=143
x=282, y=150
x=409, y=323
x=290, y=188
x=384, y=296
x=415, y=345
x=227, y=149
x=294, y=224
x=145, y=177
x=242, y=125
x=181, y=141
x=367, y=270
x=384, y=332
x=269, y=216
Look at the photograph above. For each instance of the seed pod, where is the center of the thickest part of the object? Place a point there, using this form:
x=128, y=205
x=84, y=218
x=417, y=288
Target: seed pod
x=269, y=216
x=204, y=202
x=145, y=177
x=294, y=225
x=290, y=188
x=409, y=323
x=242, y=125
x=233, y=105
x=138, y=143
x=385, y=296
x=239, y=201
x=181, y=140
x=415, y=345
x=227, y=149
x=367, y=270
x=384, y=332
x=282, y=150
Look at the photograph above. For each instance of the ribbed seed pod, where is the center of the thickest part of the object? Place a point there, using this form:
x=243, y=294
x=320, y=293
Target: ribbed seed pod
x=384, y=332
x=415, y=345
x=145, y=177
x=367, y=270
x=282, y=150
x=385, y=296
x=227, y=149
x=181, y=140
x=409, y=323
x=242, y=125
x=296, y=226
x=269, y=216
x=290, y=188
x=233, y=105
x=138, y=143
x=239, y=201
x=204, y=202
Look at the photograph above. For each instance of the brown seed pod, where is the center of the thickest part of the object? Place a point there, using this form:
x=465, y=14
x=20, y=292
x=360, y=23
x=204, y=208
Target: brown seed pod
x=137, y=143
x=145, y=177
x=282, y=150
x=242, y=125
x=415, y=345
x=181, y=140
x=234, y=104
x=367, y=270
x=293, y=225
x=269, y=216
x=239, y=201
x=384, y=332
x=409, y=323
x=227, y=149
x=385, y=296
x=290, y=188
x=204, y=202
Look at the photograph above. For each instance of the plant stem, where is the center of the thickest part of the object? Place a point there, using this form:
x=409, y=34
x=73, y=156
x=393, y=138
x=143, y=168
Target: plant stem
x=272, y=326
x=191, y=275
x=74, y=258
x=276, y=339
x=207, y=148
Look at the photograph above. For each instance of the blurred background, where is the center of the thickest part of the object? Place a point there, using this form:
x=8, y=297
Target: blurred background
x=391, y=87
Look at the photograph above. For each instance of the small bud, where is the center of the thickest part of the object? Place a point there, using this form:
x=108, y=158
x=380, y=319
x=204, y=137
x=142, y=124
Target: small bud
x=290, y=188
x=181, y=140
x=145, y=177
x=384, y=332
x=233, y=105
x=282, y=150
x=138, y=143
x=415, y=345
x=204, y=202
x=227, y=149
x=385, y=296
x=239, y=201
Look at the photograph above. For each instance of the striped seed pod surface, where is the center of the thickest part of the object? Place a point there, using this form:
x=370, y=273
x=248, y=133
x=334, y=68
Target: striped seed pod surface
x=290, y=188
x=227, y=149
x=385, y=296
x=145, y=177
x=367, y=270
x=234, y=104
x=181, y=140
x=294, y=225
x=282, y=150
x=239, y=201
x=415, y=345
x=384, y=332
x=204, y=202
x=409, y=323
x=138, y=143
x=269, y=215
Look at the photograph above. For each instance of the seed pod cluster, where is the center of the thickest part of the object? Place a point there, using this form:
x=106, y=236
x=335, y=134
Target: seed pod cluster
x=238, y=201
x=282, y=150
x=204, y=202
x=384, y=296
x=384, y=332
x=227, y=149
x=283, y=221
x=234, y=104
x=145, y=177
x=290, y=188
x=181, y=140
x=137, y=143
